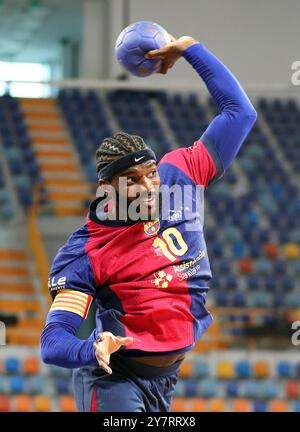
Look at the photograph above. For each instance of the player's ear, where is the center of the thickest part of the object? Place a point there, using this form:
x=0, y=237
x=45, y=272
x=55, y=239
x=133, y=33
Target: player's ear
x=102, y=184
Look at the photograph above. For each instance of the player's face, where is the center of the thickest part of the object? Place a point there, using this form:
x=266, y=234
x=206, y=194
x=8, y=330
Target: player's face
x=141, y=181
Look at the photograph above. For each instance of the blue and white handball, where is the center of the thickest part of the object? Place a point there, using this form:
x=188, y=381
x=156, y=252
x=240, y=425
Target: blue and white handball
x=135, y=41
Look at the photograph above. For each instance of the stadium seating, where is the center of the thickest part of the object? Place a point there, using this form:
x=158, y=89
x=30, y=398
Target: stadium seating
x=12, y=365
x=241, y=405
x=179, y=405
x=186, y=369
x=278, y=406
x=293, y=390
x=67, y=404
x=198, y=405
x=42, y=403
x=23, y=403
x=217, y=405
x=5, y=403
x=284, y=369
x=31, y=365
x=225, y=370
x=261, y=369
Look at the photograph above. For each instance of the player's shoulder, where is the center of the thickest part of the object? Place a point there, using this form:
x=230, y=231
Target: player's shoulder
x=73, y=248
x=179, y=155
x=190, y=163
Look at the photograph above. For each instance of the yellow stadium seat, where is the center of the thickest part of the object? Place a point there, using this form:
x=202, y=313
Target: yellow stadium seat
x=185, y=369
x=67, y=404
x=241, y=405
x=225, y=370
x=291, y=251
x=198, y=405
x=179, y=405
x=42, y=403
x=217, y=405
x=261, y=369
x=23, y=403
x=278, y=406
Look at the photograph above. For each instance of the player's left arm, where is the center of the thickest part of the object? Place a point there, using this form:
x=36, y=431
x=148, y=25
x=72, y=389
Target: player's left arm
x=212, y=155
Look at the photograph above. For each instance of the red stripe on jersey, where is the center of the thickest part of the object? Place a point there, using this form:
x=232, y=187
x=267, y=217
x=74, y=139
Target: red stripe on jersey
x=195, y=161
x=90, y=298
x=94, y=400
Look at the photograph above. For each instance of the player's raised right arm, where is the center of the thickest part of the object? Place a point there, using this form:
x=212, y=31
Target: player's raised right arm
x=226, y=133
x=228, y=130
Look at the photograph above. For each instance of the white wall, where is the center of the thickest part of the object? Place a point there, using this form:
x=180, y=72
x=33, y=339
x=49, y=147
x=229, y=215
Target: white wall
x=257, y=39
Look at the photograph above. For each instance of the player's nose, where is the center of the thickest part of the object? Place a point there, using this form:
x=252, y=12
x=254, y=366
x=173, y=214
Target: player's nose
x=148, y=184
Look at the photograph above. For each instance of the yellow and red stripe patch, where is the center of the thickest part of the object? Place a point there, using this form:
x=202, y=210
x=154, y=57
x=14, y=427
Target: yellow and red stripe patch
x=72, y=301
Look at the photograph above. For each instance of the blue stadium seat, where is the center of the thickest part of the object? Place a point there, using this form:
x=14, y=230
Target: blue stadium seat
x=239, y=299
x=217, y=249
x=225, y=266
x=250, y=389
x=270, y=283
x=209, y=388
x=62, y=385
x=262, y=299
x=191, y=387
x=278, y=300
x=286, y=283
x=231, y=282
x=253, y=282
x=296, y=267
x=222, y=299
x=284, y=369
x=3, y=385
x=12, y=365
x=280, y=267
x=268, y=389
x=292, y=300
x=36, y=384
x=260, y=406
x=263, y=266
x=200, y=368
x=243, y=369
x=17, y=384
x=180, y=388
x=4, y=196
x=238, y=249
x=232, y=389
x=252, y=218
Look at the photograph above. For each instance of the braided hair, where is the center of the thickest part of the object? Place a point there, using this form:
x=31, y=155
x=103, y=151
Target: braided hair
x=117, y=146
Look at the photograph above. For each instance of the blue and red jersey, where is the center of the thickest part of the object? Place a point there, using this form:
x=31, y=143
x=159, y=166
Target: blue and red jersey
x=149, y=279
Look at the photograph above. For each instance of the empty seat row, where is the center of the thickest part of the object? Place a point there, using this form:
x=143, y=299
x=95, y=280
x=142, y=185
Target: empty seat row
x=241, y=369
x=180, y=404
x=39, y=403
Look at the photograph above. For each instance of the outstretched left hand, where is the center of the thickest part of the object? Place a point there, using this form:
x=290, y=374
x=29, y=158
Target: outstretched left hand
x=107, y=344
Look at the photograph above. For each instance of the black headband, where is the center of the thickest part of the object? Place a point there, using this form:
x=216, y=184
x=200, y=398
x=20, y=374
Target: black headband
x=124, y=162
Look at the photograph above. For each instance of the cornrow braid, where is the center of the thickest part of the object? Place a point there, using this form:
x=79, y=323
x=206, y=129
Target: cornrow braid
x=117, y=146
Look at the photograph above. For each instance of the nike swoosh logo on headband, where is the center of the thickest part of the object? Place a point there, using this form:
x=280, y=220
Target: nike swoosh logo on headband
x=137, y=159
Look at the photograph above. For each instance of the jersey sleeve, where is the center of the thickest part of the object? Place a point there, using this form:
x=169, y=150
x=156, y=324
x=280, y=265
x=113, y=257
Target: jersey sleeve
x=200, y=161
x=71, y=283
x=69, y=300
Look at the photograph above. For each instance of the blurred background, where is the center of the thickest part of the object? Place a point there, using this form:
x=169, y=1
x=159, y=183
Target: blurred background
x=61, y=93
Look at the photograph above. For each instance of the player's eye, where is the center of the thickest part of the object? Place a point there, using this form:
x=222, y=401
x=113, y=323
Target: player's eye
x=152, y=174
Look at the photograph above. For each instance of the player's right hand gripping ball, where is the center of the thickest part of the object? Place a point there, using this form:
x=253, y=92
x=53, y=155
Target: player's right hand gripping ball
x=133, y=43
